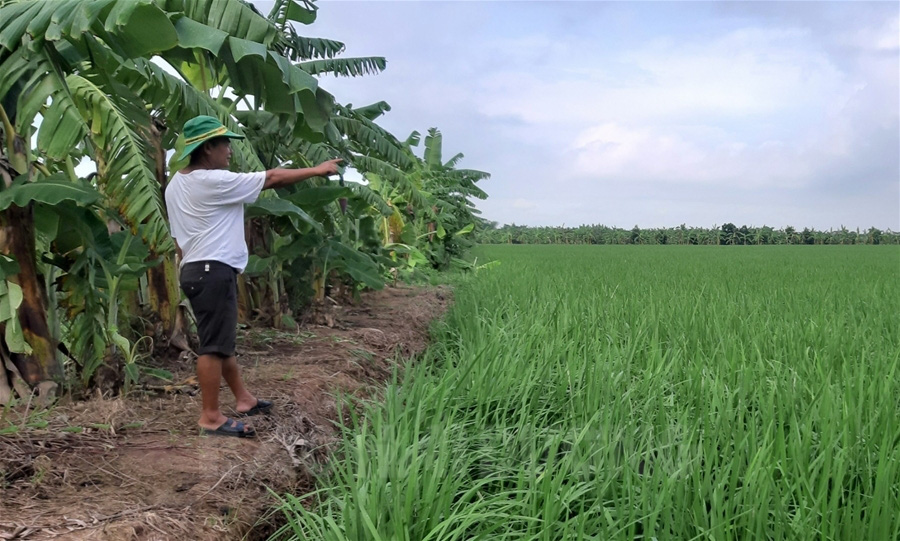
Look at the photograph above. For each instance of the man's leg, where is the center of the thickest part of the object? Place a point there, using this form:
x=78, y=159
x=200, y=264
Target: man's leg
x=232, y=374
x=209, y=376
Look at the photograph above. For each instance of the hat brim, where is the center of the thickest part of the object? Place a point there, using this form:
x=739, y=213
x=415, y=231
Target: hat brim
x=188, y=149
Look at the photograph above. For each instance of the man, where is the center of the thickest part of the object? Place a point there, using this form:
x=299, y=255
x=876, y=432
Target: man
x=205, y=202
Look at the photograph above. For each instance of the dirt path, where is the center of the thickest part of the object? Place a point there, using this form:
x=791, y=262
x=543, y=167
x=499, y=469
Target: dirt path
x=136, y=468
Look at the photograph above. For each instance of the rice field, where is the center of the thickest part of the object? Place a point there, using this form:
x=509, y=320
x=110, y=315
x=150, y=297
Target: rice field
x=628, y=392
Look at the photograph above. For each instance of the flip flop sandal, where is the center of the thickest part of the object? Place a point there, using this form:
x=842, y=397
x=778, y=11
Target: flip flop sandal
x=262, y=406
x=231, y=428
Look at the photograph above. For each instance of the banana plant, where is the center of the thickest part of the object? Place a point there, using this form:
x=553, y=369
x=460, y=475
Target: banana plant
x=30, y=347
x=81, y=70
x=83, y=65
x=343, y=247
x=439, y=215
x=95, y=269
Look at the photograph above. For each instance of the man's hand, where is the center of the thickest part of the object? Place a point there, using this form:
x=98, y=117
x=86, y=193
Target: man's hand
x=279, y=178
x=329, y=168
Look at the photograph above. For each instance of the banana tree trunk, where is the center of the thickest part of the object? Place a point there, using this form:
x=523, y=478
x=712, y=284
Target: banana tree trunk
x=40, y=368
x=274, y=299
x=245, y=301
x=163, y=296
x=431, y=225
x=266, y=302
x=17, y=240
x=318, y=286
x=163, y=293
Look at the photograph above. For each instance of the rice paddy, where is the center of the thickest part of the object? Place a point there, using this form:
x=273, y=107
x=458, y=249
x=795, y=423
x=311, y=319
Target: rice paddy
x=625, y=392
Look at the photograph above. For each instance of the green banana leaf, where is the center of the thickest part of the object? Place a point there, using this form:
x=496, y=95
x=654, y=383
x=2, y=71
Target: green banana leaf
x=274, y=206
x=51, y=191
x=8, y=266
x=318, y=196
x=361, y=267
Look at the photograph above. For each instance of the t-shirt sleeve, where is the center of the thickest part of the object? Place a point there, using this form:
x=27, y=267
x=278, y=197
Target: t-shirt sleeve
x=240, y=187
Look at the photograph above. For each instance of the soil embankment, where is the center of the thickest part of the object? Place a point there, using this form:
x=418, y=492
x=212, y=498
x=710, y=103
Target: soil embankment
x=136, y=467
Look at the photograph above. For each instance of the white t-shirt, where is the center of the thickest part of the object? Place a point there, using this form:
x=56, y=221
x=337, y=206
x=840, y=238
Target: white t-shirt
x=206, y=211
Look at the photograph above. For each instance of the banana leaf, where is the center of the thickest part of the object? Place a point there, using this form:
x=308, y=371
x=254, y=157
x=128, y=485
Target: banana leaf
x=274, y=206
x=51, y=190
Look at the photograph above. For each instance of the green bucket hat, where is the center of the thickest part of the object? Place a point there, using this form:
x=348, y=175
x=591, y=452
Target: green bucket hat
x=203, y=128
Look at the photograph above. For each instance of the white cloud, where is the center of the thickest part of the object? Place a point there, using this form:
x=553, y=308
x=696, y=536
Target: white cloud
x=760, y=112
x=523, y=204
x=759, y=108
x=612, y=152
x=882, y=38
x=888, y=38
x=744, y=74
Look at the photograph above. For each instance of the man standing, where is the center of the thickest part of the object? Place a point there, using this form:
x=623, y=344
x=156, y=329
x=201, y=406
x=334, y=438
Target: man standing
x=205, y=202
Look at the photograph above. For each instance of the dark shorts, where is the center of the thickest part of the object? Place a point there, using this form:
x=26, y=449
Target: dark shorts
x=211, y=287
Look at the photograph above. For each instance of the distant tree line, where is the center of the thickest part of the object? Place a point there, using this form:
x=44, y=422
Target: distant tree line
x=727, y=234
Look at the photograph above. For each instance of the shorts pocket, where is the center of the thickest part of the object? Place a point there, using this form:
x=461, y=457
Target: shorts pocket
x=192, y=288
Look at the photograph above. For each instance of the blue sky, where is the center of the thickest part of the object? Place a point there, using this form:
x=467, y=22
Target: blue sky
x=657, y=114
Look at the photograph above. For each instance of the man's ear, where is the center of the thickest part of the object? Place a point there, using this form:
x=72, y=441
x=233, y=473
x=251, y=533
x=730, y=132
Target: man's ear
x=205, y=147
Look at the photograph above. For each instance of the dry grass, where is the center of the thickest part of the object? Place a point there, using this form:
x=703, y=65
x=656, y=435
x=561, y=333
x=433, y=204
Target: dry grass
x=136, y=467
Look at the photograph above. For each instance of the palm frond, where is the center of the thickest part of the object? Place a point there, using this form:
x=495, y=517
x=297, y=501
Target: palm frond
x=346, y=67
x=372, y=198
x=271, y=77
x=473, y=174
x=180, y=102
x=299, y=48
x=456, y=180
x=413, y=139
x=399, y=179
x=433, y=144
x=370, y=138
x=131, y=28
x=61, y=128
x=33, y=17
x=451, y=163
x=302, y=11
x=123, y=173
x=26, y=81
x=237, y=18
x=314, y=153
x=374, y=110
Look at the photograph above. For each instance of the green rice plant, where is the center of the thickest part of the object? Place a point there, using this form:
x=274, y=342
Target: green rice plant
x=624, y=392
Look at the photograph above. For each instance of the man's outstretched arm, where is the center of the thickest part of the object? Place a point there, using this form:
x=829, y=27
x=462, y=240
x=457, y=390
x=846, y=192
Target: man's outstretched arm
x=279, y=178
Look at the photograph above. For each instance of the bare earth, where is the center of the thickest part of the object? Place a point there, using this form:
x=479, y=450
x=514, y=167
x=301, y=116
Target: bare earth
x=136, y=467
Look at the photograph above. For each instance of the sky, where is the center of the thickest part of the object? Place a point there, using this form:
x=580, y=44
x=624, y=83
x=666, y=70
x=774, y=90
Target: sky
x=644, y=113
